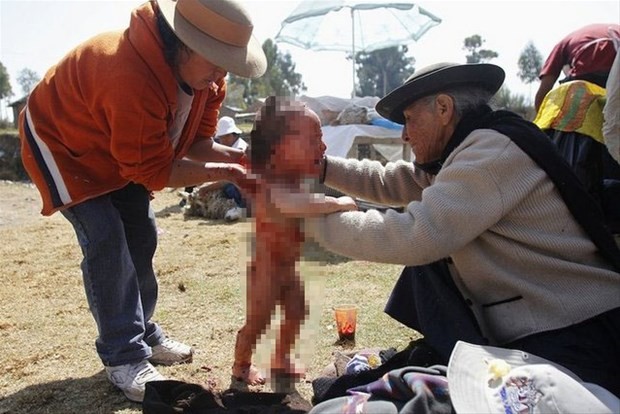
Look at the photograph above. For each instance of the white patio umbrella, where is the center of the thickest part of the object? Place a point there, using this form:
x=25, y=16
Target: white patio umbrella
x=354, y=25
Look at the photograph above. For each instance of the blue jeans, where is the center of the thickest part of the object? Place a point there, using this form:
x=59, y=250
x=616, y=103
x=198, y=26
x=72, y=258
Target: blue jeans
x=118, y=238
x=232, y=192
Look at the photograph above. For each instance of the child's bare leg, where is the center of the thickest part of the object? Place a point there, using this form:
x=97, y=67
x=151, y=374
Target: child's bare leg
x=295, y=313
x=260, y=305
x=245, y=342
x=243, y=369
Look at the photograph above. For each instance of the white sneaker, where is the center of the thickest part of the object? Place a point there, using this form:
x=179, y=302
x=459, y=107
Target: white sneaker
x=171, y=352
x=132, y=378
x=233, y=214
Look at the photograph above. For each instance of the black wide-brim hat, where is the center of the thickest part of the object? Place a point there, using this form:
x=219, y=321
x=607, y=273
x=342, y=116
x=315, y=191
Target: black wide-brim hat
x=436, y=78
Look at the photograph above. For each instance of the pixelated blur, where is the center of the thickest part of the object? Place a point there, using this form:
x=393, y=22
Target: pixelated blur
x=286, y=150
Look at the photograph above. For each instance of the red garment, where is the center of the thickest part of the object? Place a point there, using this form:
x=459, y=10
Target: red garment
x=587, y=50
x=100, y=117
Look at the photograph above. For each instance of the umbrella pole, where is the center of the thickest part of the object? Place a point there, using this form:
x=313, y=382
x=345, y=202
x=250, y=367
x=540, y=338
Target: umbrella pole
x=353, y=49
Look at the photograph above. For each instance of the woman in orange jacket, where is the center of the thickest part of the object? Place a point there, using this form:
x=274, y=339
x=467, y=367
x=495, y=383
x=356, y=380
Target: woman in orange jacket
x=120, y=116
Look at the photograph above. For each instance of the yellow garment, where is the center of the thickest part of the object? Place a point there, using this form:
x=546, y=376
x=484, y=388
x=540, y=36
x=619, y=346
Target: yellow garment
x=575, y=106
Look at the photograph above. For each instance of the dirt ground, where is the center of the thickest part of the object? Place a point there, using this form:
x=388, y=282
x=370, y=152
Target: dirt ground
x=47, y=359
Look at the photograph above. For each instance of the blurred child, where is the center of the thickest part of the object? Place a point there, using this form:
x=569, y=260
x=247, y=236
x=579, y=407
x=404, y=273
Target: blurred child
x=286, y=149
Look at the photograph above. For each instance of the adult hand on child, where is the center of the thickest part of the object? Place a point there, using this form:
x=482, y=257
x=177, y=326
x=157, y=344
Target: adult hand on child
x=245, y=180
x=345, y=203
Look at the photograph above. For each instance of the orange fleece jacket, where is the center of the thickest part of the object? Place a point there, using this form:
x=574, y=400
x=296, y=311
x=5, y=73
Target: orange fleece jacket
x=100, y=118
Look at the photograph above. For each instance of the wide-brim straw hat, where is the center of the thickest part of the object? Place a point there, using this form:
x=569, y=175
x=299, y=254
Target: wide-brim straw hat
x=219, y=31
x=436, y=78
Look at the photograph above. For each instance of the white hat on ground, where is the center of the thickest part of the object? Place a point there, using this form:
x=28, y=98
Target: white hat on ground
x=486, y=379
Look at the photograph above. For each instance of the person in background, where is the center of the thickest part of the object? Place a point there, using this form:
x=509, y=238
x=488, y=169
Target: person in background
x=501, y=244
x=577, y=114
x=287, y=148
x=229, y=134
x=121, y=116
x=587, y=54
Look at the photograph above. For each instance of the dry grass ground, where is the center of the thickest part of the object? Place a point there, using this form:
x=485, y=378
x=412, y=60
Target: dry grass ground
x=47, y=359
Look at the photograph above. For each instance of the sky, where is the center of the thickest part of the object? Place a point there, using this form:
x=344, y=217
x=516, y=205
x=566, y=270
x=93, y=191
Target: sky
x=36, y=34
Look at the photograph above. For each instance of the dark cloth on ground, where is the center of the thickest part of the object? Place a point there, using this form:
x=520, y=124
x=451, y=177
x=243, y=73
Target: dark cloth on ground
x=387, y=354
x=173, y=397
x=418, y=353
x=409, y=390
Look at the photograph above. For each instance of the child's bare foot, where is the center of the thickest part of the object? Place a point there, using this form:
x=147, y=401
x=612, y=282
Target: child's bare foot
x=248, y=373
x=283, y=379
x=293, y=369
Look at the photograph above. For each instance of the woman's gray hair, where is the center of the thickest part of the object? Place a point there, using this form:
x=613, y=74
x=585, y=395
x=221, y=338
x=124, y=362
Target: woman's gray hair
x=469, y=98
x=466, y=98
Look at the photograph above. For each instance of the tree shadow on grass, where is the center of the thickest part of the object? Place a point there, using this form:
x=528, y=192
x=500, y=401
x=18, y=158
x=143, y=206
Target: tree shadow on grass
x=93, y=395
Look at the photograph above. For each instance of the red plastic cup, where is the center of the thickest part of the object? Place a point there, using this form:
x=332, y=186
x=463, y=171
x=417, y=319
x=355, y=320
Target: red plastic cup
x=346, y=321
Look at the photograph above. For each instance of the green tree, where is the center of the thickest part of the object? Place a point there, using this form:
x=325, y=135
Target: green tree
x=504, y=99
x=382, y=70
x=530, y=63
x=5, y=90
x=279, y=79
x=27, y=79
x=5, y=83
x=473, y=45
